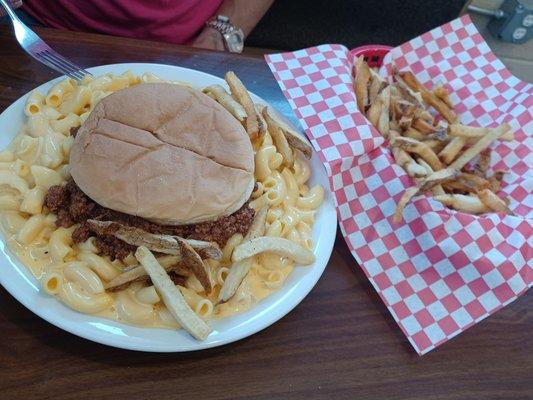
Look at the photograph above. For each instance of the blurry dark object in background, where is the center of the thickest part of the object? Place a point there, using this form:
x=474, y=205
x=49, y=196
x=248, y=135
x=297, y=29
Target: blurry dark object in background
x=294, y=24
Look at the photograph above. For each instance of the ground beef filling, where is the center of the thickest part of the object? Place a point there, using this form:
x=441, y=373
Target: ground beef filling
x=72, y=206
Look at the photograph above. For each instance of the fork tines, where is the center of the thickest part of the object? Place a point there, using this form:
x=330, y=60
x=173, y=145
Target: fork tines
x=60, y=64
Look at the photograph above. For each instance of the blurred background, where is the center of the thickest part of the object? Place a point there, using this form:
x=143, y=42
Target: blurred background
x=294, y=24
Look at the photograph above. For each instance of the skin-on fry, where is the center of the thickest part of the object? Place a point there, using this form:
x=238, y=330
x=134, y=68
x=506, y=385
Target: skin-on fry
x=478, y=147
x=491, y=200
x=437, y=178
x=467, y=182
x=452, y=149
x=406, y=92
x=406, y=197
x=279, y=138
x=495, y=180
x=420, y=148
x=478, y=182
x=474, y=132
x=467, y=203
x=239, y=270
x=259, y=110
x=228, y=102
x=405, y=124
x=483, y=163
x=441, y=107
x=402, y=108
x=160, y=243
x=277, y=245
x=404, y=160
x=296, y=141
x=254, y=125
x=137, y=273
x=437, y=189
x=362, y=76
x=171, y=296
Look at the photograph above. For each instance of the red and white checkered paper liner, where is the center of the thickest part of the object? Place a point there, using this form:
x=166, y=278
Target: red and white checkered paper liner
x=439, y=271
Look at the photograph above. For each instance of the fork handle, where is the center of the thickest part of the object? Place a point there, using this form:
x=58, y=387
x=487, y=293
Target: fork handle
x=9, y=10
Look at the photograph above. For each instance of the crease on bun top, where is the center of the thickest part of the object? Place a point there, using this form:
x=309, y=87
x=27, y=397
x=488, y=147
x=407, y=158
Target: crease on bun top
x=164, y=152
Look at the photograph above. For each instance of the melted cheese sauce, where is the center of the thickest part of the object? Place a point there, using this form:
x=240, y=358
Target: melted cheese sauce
x=38, y=158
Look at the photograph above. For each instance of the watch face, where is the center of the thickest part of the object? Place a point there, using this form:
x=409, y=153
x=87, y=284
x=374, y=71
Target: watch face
x=235, y=42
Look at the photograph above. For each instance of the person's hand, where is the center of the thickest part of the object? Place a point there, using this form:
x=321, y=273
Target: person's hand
x=209, y=38
x=13, y=4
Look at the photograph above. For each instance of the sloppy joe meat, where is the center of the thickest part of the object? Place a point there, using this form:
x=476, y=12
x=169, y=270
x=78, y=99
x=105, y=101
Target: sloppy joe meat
x=72, y=206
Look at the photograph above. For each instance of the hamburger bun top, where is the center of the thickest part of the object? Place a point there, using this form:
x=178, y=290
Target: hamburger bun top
x=164, y=152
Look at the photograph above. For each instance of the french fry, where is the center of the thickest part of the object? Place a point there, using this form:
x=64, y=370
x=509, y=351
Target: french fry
x=406, y=92
x=467, y=183
x=161, y=243
x=295, y=140
x=474, y=132
x=137, y=273
x=239, y=270
x=383, y=120
x=495, y=180
x=437, y=189
x=439, y=134
x=437, y=178
x=414, y=134
x=483, y=163
x=406, y=197
x=422, y=114
x=477, y=147
x=374, y=112
x=491, y=200
x=171, y=296
x=277, y=245
x=452, y=149
x=377, y=84
x=254, y=125
x=259, y=110
x=435, y=144
x=441, y=92
x=467, y=203
x=404, y=160
x=226, y=101
x=405, y=123
x=400, y=108
x=362, y=77
x=423, y=126
x=428, y=97
x=420, y=148
x=279, y=138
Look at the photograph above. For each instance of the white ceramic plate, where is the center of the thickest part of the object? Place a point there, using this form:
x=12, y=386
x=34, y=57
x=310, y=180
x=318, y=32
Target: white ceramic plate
x=19, y=281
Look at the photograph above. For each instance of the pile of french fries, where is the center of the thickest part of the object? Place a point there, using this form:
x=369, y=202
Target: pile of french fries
x=435, y=152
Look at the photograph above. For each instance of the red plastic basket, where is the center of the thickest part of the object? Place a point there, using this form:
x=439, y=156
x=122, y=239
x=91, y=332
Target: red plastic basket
x=373, y=53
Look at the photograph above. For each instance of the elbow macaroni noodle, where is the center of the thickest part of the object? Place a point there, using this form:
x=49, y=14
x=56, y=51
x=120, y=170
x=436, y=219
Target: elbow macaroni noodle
x=38, y=158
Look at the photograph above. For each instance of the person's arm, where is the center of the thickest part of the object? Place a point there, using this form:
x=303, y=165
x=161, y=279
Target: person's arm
x=13, y=3
x=244, y=14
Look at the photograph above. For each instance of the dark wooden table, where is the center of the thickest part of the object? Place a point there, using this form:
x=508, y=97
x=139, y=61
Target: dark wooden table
x=340, y=342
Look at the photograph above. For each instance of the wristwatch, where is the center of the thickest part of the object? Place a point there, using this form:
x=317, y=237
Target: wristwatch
x=232, y=36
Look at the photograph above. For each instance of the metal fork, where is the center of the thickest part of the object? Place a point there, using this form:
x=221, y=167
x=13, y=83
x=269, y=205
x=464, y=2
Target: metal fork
x=38, y=49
